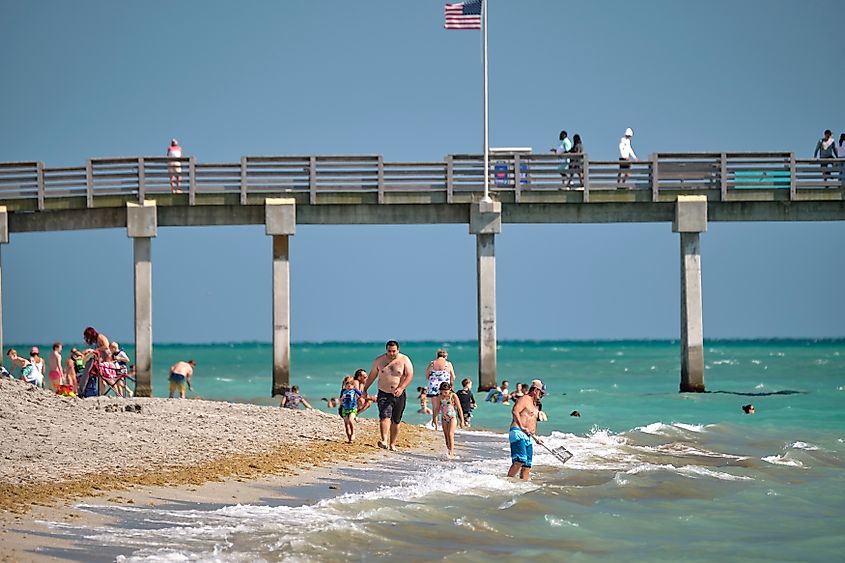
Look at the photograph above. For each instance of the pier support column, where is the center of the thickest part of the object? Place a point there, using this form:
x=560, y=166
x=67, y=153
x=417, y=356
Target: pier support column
x=142, y=226
x=690, y=221
x=4, y=239
x=485, y=223
x=280, y=223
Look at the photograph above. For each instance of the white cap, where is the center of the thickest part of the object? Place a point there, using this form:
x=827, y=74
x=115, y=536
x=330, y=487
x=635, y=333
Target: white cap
x=629, y=132
x=174, y=142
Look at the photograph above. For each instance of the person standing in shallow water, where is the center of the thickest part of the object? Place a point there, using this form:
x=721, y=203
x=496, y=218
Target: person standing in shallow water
x=394, y=371
x=523, y=429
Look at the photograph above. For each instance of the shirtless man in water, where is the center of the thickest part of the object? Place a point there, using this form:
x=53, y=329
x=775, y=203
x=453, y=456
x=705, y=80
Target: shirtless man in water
x=523, y=428
x=394, y=372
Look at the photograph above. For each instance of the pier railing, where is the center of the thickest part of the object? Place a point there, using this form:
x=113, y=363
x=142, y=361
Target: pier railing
x=728, y=176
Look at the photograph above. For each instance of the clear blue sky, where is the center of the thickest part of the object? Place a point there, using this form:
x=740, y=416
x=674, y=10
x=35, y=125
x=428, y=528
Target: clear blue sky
x=92, y=79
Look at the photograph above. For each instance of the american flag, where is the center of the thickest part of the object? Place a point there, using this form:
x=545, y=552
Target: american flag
x=466, y=15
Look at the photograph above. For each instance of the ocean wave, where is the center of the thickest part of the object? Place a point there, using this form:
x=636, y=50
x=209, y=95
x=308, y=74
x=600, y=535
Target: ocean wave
x=689, y=471
x=803, y=446
x=661, y=429
x=783, y=460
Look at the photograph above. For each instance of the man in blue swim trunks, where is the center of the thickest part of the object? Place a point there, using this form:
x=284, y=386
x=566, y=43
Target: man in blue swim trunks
x=523, y=429
x=180, y=377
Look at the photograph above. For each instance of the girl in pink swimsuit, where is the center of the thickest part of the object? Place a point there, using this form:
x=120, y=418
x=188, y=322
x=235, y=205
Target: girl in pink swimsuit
x=450, y=415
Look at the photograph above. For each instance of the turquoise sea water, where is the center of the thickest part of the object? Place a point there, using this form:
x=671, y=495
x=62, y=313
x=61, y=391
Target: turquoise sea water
x=656, y=475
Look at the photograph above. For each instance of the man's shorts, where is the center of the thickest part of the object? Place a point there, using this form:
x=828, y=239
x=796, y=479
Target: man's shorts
x=522, y=450
x=178, y=382
x=391, y=407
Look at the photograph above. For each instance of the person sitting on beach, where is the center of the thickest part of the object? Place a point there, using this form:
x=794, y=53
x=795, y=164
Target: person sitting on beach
x=121, y=358
x=523, y=429
x=29, y=371
x=451, y=415
x=467, y=401
x=349, y=394
x=292, y=399
x=180, y=377
x=423, y=397
x=38, y=361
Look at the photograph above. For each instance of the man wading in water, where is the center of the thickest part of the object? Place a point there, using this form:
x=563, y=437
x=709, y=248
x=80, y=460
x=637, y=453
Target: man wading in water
x=523, y=428
x=394, y=372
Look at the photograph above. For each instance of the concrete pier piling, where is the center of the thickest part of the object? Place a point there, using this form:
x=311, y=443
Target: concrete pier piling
x=690, y=221
x=280, y=223
x=485, y=223
x=142, y=226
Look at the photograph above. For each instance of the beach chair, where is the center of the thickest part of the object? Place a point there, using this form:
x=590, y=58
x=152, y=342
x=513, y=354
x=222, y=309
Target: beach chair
x=103, y=377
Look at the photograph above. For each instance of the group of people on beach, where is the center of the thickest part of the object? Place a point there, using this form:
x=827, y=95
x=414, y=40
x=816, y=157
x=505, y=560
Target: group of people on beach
x=393, y=371
x=103, y=366
x=73, y=376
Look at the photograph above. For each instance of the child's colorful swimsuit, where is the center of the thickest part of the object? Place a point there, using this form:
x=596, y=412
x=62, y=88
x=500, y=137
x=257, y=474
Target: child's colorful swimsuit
x=349, y=401
x=447, y=411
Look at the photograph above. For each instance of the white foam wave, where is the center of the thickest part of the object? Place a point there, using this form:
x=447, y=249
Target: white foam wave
x=783, y=460
x=661, y=429
x=689, y=471
x=804, y=446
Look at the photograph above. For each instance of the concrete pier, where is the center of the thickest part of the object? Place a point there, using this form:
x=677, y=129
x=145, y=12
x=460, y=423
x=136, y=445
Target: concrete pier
x=690, y=221
x=280, y=221
x=4, y=238
x=142, y=226
x=485, y=223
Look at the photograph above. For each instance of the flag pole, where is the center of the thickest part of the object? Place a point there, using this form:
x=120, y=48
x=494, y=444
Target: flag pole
x=486, y=134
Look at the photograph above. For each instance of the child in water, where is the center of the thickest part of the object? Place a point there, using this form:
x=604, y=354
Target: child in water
x=423, y=401
x=349, y=394
x=450, y=415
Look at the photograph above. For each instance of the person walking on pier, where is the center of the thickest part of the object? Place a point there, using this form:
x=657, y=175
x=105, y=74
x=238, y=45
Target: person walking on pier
x=578, y=165
x=826, y=148
x=175, y=166
x=563, y=147
x=626, y=155
x=394, y=372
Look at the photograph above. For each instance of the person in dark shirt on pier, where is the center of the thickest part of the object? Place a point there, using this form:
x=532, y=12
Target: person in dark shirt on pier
x=826, y=148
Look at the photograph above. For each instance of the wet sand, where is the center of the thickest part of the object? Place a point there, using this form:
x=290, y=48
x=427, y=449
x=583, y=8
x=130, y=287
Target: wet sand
x=61, y=451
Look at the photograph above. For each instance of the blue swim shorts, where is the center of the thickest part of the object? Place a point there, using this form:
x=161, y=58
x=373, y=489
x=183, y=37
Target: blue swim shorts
x=522, y=450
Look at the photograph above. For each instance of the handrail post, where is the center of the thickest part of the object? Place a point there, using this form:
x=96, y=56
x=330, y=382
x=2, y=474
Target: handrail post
x=792, y=177
x=450, y=178
x=89, y=184
x=141, y=180
x=655, y=177
x=380, y=179
x=39, y=178
x=312, y=180
x=192, y=181
x=723, y=176
x=585, y=163
x=517, y=178
x=243, y=180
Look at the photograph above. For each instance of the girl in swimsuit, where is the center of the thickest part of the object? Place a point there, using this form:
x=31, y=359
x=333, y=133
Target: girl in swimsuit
x=450, y=415
x=439, y=370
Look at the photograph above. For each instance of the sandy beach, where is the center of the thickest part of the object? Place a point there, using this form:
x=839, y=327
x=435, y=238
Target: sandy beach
x=58, y=450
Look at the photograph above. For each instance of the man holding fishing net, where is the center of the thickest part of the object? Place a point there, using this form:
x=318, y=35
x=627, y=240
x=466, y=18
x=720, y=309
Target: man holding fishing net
x=524, y=428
